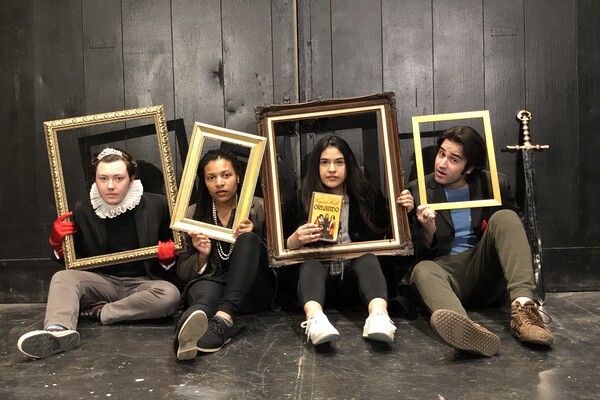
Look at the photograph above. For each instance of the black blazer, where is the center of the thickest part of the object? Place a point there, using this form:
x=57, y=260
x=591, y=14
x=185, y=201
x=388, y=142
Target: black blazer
x=480, y=188
x=152, y=220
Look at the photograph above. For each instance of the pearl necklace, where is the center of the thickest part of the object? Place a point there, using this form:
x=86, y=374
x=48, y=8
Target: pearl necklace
x=222, y=254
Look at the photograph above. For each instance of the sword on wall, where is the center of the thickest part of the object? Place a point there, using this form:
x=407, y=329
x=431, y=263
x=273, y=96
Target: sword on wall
x=533, y=233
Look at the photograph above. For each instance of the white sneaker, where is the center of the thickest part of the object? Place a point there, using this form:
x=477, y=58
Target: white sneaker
x=40, y=344
x=319, y=330
x=379, y=327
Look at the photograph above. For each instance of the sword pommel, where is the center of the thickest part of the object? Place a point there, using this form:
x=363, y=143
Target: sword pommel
x=524, y=117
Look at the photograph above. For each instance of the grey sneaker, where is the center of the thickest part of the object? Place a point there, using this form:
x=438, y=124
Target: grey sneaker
x=41, y=344
x=463, y=334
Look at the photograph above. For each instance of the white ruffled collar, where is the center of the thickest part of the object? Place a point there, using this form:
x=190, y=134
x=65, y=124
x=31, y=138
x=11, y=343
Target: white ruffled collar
x=105, y=210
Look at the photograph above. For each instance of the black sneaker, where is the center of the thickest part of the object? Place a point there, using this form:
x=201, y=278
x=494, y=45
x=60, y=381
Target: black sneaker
x=217, y=335
x=92, y=313
x=41, y=344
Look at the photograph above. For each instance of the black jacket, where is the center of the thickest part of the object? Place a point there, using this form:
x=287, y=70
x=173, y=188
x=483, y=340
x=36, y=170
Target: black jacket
x=480, y=188
x=152, y=220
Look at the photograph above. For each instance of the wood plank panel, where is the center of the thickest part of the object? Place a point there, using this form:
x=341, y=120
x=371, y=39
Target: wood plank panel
x=247, y=60
x=408, y=66
x=504, y=59
x=103, y=56
x=20, y=186
x=588, y=71
x=356, y=47
x=59, y=89
x=551, y=76
x=314, y=30
x=198, y=62
x=284, y=51
x=147, y=54
x=407, y=57
x=458, y=56
x=148, y=64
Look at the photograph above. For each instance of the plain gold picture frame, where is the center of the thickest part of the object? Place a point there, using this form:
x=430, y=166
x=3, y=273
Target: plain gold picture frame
x=487, y=127
x=53, y=128
x=202, y=133
x=383, y=107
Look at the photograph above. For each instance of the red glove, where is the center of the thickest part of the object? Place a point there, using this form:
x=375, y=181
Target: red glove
x=166, y=253
x=60, y=229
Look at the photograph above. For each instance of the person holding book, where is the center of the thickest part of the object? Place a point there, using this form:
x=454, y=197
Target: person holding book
x=222, y=278
x=332, y=168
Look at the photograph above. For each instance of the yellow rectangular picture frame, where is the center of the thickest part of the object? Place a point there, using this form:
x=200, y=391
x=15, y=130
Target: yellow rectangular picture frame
x=485, y=116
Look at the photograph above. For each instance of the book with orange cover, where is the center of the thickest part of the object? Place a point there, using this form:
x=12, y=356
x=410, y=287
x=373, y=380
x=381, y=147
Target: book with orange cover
x=325, y=211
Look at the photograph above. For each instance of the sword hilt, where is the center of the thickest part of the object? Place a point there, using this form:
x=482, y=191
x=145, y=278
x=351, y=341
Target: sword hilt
x=525, y=116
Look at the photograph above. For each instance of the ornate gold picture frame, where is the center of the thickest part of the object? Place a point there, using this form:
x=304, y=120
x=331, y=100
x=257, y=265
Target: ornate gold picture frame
x=201, y=135
x=369, y=124
x=496, y=200
x=75, y=127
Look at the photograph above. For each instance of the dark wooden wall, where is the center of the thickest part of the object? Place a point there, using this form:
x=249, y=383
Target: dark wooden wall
x=215, y=60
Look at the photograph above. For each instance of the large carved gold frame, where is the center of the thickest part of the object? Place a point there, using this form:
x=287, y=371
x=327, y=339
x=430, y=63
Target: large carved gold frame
x=202, y=132
x=487, y=126
x=384, y=106
x=62, y=126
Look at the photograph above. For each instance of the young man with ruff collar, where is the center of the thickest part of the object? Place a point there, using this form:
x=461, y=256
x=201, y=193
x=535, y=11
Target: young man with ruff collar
x=117, y=217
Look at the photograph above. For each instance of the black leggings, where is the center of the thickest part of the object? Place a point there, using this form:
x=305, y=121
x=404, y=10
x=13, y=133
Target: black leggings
x=312, y=284
x=247, y=286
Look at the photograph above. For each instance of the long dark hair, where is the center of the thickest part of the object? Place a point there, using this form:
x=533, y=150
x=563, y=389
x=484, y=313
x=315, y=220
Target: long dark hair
x=204, y=200
x=357, y=186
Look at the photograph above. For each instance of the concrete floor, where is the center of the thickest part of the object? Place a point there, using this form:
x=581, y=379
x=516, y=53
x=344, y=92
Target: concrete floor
x=269, y=359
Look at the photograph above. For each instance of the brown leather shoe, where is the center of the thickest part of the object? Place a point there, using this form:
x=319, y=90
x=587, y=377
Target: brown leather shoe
x=463, y=334
x=527, y=325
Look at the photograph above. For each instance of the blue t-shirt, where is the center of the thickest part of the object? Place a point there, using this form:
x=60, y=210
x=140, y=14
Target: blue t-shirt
x=464, y=235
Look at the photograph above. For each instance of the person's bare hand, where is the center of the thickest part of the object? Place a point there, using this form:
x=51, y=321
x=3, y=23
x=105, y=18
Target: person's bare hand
x=201, y=242
x=406, y=200
x=426, y=217
x=243, y=227
x=308, y=233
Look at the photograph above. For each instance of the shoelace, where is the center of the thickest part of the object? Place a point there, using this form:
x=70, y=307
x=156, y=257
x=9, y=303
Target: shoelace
x=215, y=326
x=534, y=315
x=307, y=325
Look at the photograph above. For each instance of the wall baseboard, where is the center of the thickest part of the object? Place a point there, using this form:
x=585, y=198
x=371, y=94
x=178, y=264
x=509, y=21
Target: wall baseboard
x=564, y=269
